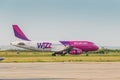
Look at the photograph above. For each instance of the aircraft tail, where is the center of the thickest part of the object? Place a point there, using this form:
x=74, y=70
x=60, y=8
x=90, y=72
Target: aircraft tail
x=19, y=34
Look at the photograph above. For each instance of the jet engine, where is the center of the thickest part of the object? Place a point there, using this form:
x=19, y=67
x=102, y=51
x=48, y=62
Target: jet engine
x=75, y=51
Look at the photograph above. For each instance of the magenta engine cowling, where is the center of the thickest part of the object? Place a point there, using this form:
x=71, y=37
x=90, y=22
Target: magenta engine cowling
x=75, y=51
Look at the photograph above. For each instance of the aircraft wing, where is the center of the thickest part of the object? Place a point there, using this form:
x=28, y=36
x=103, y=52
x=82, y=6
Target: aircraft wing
x=63, y=51
x=66, y=49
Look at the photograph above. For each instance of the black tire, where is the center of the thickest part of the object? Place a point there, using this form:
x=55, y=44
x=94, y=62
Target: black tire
x=18, y=52
x=87, y=54
x=62, y=54
x=53, y=54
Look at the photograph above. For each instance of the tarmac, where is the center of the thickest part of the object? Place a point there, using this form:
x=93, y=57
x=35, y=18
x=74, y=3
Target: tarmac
x=60, y=71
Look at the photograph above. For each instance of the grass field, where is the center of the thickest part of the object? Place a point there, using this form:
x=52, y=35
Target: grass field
x=30, y=56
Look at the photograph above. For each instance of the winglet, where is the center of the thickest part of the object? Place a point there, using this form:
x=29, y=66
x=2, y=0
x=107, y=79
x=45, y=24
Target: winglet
x=19, y=34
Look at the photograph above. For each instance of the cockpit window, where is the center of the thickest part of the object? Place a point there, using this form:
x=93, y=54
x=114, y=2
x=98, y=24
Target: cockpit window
x=90, y=42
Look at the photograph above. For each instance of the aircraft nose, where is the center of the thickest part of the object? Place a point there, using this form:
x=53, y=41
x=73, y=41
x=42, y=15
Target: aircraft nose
x=12, y=43
x=96, y=47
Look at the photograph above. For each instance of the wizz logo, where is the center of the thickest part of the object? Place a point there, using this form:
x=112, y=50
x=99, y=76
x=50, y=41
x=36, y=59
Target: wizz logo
x=44, y=45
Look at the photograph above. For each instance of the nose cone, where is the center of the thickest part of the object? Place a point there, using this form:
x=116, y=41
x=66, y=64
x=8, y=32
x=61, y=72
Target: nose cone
x=96, y=47
x=13, y=43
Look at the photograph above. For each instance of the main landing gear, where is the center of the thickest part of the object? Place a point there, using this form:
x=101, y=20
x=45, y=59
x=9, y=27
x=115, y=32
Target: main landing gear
x=87, y=54
x=54, y=54
x=59, y=53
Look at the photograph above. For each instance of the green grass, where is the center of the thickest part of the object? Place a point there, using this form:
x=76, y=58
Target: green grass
x=31, y=56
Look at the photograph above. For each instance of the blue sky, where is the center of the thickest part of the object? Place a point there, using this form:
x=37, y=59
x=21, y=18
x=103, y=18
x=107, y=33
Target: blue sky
x=92, y=20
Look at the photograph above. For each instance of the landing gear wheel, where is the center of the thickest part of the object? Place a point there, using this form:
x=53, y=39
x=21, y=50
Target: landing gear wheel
x=87, y=54
x=18, y=52
x=63, y=53
x=54, y=54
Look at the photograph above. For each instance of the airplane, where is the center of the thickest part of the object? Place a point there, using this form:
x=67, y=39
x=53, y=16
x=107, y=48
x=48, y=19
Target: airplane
x=57, y=47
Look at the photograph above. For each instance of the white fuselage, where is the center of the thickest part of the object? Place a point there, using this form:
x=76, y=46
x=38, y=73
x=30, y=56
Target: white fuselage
x=39, y=45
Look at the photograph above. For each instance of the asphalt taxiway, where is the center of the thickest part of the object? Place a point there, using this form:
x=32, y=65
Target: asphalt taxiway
x=60, y=71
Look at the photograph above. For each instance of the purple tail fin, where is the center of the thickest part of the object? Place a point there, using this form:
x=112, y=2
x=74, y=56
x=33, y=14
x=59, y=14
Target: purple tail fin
x=18, y=33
